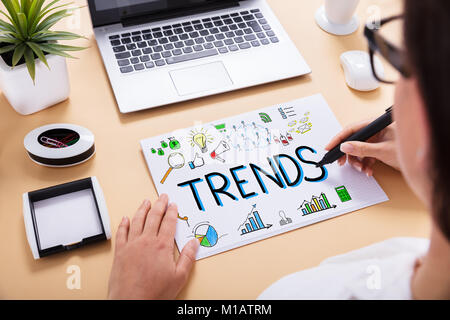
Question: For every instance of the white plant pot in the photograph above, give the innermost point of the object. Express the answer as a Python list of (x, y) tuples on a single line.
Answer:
[(50, 87)]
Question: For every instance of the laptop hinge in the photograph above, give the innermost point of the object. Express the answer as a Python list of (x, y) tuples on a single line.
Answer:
[(164, 15)]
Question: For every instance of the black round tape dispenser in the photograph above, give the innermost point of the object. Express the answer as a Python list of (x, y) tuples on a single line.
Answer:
[(60, 145)]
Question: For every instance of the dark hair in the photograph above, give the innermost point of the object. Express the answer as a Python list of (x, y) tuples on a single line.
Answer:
[(427, 40)]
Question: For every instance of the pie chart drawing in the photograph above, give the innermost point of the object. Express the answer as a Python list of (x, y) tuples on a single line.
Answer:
[(207, 235)]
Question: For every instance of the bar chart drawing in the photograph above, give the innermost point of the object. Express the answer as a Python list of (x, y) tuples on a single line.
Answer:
[(316, 204), (253, 223)]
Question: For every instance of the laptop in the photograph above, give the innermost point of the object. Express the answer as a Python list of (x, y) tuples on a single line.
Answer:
[(158, 52)]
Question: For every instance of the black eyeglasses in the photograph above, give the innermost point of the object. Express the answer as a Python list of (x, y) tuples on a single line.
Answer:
[(382, 49)]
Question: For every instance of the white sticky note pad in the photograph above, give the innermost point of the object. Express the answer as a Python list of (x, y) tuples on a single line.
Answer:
[(67, 219), (231, 155)]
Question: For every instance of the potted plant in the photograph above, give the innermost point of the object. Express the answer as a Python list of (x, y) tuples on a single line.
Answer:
[(33, 70)]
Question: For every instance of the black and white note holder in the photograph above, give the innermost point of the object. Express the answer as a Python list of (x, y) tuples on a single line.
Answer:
[(65, 217)]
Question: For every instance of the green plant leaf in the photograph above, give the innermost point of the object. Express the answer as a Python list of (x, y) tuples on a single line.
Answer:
[(64, 47), (7, 26), (45, 12), (25, 6), (7, 48), (36, 49), (12, 13), (49, 5), (23, 24), (50, 49), (15, 5), (13, 23), (29, 60), (49, 21), (10, 33), (10, 40), (18, 53), (13, 31), (34, 11), (46, 35), (39, 16)]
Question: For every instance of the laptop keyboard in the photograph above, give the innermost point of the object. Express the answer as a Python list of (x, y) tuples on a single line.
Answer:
[(190, 40)]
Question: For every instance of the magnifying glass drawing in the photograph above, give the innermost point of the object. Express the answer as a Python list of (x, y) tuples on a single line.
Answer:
[(176, 161)]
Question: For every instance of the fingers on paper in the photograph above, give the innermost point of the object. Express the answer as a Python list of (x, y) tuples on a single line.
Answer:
[(368, 164), (187, 259), (138, 222), (342, 160), (169, 224), (355, 163), (362, 164), (156, 214)]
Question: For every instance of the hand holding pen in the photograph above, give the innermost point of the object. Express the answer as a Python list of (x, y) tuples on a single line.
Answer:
[(363, 155)]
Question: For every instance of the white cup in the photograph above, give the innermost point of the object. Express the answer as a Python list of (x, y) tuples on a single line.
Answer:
[(340, 11)]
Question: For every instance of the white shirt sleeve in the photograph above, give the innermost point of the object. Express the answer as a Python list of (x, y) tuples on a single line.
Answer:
[(379, 271)]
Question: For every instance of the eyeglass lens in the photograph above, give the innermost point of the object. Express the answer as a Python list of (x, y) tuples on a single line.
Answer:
[(391, 32)]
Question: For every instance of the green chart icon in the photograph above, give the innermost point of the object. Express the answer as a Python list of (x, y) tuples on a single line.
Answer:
[(343, 194)]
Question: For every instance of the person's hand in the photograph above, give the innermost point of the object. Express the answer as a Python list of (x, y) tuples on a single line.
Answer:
[(144, 264), (363, 155)]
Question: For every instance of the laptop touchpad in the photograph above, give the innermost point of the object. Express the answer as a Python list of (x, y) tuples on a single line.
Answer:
[(201, 78)]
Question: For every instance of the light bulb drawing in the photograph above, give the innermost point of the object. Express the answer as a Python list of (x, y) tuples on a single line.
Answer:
[(200, 138)]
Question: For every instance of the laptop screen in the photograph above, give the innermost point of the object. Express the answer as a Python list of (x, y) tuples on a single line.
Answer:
[(101, 5), (104, 12)]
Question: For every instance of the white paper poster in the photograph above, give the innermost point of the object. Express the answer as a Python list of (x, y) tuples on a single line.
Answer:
[(249, 177)]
